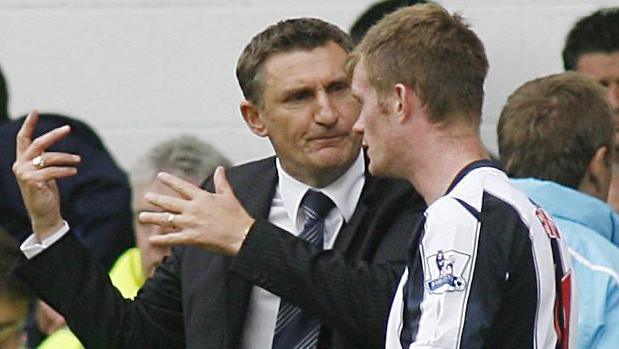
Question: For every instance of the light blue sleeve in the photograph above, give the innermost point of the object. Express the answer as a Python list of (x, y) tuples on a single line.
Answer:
[(614, 238), (608, 336)]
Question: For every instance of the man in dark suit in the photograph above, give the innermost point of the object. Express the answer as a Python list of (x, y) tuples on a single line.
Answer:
[(297, 95)]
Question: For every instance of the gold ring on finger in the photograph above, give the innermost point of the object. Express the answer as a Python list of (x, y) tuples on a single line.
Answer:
[(38, 162), (170, 219)]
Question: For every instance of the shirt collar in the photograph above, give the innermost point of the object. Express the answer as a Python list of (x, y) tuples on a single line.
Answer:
[(470, 167), (344, 191)]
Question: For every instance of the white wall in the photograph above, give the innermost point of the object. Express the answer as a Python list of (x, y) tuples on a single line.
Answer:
[(140, 71)]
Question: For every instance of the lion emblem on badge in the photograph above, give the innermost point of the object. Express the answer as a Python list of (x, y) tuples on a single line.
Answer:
[(445, 270)]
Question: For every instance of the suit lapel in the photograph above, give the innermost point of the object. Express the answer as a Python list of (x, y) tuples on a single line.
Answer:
[(254, 188)]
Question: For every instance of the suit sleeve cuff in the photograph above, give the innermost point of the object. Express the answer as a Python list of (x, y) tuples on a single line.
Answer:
[(31, 247)]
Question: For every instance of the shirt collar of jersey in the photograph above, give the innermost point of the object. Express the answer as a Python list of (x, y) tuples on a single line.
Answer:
[(470, 167), (344, 192)]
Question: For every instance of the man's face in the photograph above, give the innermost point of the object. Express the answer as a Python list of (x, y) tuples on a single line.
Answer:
[(604, 68), (151, 254), (373, 123), (12, 320), (308, 111)]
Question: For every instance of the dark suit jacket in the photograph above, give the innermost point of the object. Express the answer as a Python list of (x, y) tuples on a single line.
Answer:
[(198, 299), (97, 201)]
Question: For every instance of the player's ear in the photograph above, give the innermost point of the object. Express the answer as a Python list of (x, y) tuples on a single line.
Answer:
[(406, 101), (596, 181)]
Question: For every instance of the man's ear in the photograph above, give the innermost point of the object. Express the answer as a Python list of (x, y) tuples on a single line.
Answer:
[(598, 176), (253, 118), (405, 101)]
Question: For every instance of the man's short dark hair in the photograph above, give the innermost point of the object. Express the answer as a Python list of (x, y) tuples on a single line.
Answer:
[(374, 14), (4, 98), (284, 36), (552, 127), (598, 32)]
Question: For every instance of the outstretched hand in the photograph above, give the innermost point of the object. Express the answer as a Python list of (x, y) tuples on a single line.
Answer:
[(36, 172), (213, 221)]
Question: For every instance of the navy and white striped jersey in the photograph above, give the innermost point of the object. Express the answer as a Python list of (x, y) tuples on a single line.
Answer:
[(489, 271)]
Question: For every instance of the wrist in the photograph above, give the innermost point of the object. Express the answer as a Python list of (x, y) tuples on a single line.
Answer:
[(236, 245), (43, 229)]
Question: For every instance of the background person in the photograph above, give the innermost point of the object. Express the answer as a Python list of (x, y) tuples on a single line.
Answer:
[(592, 49), (374, 13), (556, 137)]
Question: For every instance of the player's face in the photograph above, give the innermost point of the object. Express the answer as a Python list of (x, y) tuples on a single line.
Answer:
[(604, 68), (307, 113), (373, 124)]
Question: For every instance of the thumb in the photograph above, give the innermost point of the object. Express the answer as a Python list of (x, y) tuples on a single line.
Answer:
[(222, 185)]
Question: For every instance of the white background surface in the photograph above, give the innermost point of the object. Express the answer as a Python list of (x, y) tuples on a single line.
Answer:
[(140, 71)]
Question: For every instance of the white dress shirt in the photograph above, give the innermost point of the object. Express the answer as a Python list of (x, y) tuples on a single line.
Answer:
[(285, 213)]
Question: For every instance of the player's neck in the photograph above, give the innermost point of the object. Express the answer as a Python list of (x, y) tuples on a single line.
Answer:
[(435, 172)]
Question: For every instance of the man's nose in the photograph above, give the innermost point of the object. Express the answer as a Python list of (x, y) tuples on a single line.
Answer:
[(326, 113), (359, 125)]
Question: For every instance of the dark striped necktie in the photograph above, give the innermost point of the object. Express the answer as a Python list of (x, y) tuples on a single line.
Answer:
[(295, 329)]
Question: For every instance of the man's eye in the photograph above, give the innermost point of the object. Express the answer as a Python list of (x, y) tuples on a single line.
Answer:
[(299, 96), (338, 86)]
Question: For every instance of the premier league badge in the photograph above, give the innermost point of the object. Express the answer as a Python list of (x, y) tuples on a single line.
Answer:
[(446, 271)]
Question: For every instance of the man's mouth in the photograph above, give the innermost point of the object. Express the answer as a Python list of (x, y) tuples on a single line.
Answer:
[(328, 139)]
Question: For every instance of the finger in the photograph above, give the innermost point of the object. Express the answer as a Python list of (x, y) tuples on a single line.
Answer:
[(40, 177), (183, 188), (55, 172), (50, 173), (161, 219), (60, 159), (40, 144), (24, 135), (221, 181), (171, 239), (165, 202), (26, 173)]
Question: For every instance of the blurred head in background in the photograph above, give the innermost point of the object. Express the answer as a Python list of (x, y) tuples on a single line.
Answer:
[(184, 156)]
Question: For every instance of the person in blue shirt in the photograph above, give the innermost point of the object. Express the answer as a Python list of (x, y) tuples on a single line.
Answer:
[(556, 140)]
